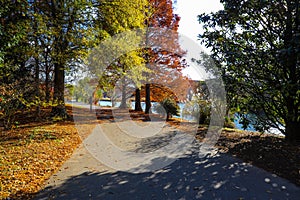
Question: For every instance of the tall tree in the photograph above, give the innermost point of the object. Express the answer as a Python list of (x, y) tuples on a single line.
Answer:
[(38, 25), (164, 63), (117, 17), (15, 50), (42, 42), (256, 45), (69, 26)]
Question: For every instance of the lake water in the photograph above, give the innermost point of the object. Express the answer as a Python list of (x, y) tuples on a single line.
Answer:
[(237, 124), (153, 105), (117, 104)]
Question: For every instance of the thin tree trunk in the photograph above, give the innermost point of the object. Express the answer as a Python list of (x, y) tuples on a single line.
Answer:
[(47, 86), (91, 103), (37, 69), (37, 88), (47, 78), (147, 86), (138, 106), (148, 101)]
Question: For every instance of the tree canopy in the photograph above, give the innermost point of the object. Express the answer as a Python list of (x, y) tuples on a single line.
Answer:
[(44, 43), (255, 43), (166, 59)]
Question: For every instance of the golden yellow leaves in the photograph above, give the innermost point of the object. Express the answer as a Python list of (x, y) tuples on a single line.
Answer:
[(28, 156)]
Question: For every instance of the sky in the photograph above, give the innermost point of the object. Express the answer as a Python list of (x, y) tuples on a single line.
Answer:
[(189, 29), (188, 10)]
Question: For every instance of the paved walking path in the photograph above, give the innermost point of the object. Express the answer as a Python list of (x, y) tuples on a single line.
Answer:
[(190, 176)]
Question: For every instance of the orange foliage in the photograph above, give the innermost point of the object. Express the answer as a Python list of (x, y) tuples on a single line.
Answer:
[(165, 57)]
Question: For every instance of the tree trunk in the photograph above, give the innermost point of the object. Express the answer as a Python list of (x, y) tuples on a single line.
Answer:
[(202, 118), (292, 133), (37, 88), (123, 102), (148, 101), (47, 80), (91, 103), (168, 116), (37, 70), (59, 109), (138, 106), (47, 88)]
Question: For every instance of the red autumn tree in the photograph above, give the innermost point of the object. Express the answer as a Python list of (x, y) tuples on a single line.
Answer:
[(164, 55)]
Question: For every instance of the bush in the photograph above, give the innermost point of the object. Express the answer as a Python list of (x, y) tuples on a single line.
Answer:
[(15, 97), (168, 106), (204, 112), (229, 122), (9, 104)]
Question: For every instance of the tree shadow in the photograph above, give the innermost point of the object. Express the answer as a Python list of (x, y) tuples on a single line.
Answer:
[(190, 177), (260, 151), (151, 144)]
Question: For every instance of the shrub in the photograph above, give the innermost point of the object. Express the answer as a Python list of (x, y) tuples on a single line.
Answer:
[(9, 104), (168, 106)]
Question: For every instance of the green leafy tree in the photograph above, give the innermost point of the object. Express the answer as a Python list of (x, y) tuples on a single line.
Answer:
[(113, 18), (200, 105), (15, 74), (255, 44), (168, 106), (38, 39), (14, 28), (84, 89), (69, 27)]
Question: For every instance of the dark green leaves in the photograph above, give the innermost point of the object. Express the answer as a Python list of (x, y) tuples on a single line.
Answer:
[(255, 44)]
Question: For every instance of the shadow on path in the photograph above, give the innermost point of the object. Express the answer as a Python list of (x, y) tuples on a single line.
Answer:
[(218, 177)]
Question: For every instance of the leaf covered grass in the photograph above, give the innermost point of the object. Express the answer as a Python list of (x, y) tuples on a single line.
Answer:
[(267, 151), (31, 153)]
